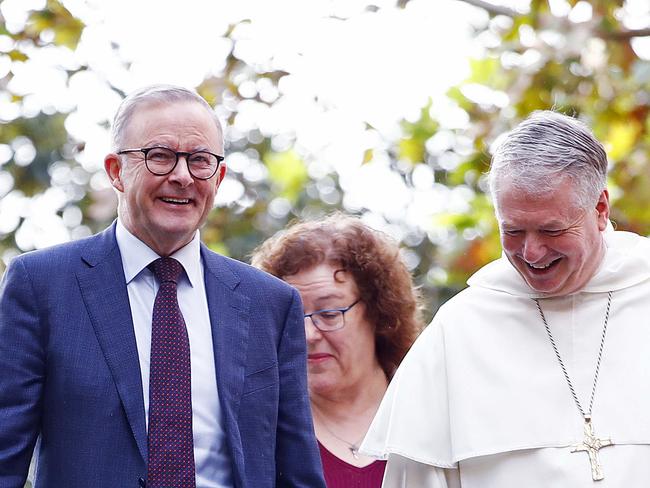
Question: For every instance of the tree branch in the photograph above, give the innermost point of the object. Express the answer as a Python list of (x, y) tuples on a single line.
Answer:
[(624, 34), (617, 35), (491, 8)]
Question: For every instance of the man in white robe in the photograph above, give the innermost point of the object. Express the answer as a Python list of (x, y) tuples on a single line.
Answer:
[(488, 397)]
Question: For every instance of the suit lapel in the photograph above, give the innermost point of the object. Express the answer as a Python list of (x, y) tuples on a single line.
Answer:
[(103, 288), (229, 317)]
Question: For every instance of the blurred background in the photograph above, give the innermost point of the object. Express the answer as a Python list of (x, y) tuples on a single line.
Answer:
[(383, 109)]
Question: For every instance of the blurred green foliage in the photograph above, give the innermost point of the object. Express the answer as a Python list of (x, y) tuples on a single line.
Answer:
[(587, 69), (529, 61)]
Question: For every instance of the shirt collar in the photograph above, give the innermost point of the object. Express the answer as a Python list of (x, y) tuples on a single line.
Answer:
[(136, 255)]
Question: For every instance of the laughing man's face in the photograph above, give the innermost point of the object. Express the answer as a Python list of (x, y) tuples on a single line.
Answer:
[(555, 244), (165, 211)]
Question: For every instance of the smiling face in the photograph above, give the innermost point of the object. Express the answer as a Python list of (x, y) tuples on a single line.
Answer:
[(554, 244), (338, 361), (165, 211)]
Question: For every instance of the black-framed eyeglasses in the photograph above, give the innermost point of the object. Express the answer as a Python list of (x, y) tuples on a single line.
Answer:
[(161, 161), (330, 319)]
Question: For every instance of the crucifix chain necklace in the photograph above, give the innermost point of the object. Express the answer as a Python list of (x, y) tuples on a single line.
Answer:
[(353, 447), (591, 443)]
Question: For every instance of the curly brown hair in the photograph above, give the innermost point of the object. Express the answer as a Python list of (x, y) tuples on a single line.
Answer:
[(373, 259)]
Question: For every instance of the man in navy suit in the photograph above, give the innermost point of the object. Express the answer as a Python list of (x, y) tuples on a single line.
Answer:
[(76, 330)]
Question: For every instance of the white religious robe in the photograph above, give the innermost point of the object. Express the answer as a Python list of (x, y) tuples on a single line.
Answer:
[(480, 401)]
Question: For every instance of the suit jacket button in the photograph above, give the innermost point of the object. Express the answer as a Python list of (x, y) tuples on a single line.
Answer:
[(142, 483)]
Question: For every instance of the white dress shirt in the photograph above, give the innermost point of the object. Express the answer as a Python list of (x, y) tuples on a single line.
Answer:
[(212, 459)]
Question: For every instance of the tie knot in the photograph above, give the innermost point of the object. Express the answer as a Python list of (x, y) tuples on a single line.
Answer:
[(166, 269)]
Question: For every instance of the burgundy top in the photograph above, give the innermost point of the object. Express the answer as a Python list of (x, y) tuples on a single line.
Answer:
[(339, 474)]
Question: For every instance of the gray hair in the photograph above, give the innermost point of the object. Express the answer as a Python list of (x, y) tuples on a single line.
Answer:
[(546, 148), (153, 94)]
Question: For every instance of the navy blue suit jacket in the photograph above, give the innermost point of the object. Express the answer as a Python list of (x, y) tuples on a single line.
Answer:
[(69, 372)]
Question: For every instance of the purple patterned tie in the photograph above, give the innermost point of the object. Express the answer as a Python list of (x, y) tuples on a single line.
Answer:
[(171, 445)]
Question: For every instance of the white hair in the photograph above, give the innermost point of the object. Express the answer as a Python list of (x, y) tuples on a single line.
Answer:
[(153, 94), (548, 148)]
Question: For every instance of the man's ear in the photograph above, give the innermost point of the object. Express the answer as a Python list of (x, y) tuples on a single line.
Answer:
[(113, 168), (221, 174), (602, 210)]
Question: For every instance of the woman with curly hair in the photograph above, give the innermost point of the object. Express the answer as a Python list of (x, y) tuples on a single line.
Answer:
[(361, 317)]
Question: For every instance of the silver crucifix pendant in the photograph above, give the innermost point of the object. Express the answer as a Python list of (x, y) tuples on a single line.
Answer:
[(591, 445)]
